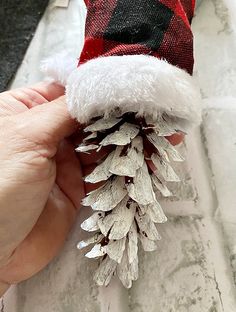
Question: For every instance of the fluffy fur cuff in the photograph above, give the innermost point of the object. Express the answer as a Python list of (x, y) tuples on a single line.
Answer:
[(132, 83)]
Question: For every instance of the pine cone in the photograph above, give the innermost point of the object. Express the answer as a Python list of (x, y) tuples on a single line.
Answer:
[(126, 206)]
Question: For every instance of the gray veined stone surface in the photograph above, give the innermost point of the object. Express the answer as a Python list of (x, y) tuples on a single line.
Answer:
[(178, 276), (215, 46), (220, 134), (193, 268)]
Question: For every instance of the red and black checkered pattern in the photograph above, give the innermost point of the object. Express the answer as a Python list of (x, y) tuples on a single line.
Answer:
[(155, 27)]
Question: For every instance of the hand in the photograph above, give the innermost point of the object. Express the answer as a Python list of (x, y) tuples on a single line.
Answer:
[(41, 183)]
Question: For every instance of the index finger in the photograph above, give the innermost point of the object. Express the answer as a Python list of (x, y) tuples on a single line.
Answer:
[(20, 100), (37, 94)]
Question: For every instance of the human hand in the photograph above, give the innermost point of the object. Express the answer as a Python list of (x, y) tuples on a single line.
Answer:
[(41, 183)]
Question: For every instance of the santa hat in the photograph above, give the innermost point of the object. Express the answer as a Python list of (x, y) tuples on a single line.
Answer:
[(137, 57)]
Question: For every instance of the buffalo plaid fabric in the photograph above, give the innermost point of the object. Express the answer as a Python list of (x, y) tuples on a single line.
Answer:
[(160, 28)]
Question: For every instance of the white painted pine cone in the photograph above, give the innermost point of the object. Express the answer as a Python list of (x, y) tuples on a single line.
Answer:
[(126, 207)]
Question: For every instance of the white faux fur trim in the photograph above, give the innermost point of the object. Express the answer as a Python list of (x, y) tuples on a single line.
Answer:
[(132, 83), (58, 67)]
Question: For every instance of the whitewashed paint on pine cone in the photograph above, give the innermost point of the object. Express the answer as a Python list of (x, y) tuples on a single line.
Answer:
[(126, 206)]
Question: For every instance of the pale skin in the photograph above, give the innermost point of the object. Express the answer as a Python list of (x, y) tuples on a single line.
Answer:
[(41, 180)]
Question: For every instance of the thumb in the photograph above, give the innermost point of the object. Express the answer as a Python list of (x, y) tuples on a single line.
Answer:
[(47, 123)]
